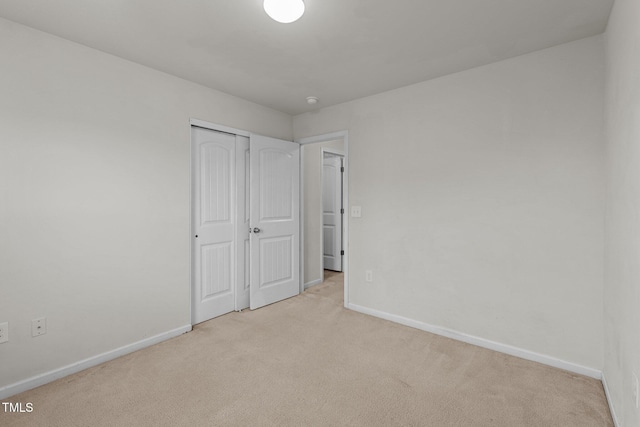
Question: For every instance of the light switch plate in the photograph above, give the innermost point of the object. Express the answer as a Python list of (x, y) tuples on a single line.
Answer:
[(356, 211), (4, 332), (368, 276)]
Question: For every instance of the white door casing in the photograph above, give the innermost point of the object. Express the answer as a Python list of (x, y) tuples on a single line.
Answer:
[(332, 212), (344, 136), (275, 220), (214, 223)]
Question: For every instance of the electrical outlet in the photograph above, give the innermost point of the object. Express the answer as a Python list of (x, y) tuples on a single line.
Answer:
[(368, 276), (4, 332), (38, 327), (636, 390)]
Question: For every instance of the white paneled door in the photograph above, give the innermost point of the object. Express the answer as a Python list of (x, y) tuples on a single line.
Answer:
[(274, 219), (332, 212), (245, 222), (214, 223)]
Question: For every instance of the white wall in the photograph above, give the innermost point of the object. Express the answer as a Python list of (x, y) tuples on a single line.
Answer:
[(482, 200), (94, 197), (312, 199), (481, 191), (622, 266)]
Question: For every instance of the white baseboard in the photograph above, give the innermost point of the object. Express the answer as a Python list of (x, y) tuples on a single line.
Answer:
[(481, 342), (47, 377), (609, 401), (312, 283)]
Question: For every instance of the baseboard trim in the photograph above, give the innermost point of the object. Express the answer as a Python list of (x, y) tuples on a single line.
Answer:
[(47, 377), (481, 342), (312, 283), (609, 401)]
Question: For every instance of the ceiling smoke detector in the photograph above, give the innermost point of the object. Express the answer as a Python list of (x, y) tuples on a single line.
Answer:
[(312, 100)]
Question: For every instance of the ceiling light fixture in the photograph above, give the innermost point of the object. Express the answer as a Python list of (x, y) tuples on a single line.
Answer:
[(312, 100), (284, 11)]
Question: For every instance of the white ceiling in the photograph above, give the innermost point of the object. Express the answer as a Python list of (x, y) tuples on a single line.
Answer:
[(338, 51)]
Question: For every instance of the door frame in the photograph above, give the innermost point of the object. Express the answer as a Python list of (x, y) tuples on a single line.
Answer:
[(344, 136), (336, 153)]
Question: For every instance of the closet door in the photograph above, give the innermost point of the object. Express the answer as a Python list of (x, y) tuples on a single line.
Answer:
[(214, 223), (274, 220)]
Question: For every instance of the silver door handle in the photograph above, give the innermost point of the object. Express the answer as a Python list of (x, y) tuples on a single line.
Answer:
[(256, 230)]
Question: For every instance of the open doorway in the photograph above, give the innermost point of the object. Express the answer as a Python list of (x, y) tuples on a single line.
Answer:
[(322, 238)]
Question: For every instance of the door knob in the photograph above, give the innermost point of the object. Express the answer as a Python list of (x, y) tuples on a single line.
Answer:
[(256, 230)]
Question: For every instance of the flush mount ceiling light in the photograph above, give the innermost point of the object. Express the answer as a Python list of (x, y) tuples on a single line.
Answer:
[(312, 100), (284, 11)]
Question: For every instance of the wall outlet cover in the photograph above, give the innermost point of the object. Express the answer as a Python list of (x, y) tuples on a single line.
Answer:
[(38, 327)]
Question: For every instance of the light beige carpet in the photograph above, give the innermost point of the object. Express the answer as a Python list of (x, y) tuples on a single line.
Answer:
[(307, 361)]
